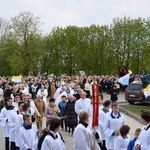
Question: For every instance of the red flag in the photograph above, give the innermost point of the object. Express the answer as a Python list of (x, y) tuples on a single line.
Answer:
[(95, 99)]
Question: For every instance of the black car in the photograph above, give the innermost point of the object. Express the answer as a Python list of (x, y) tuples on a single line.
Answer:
[(134, 92)]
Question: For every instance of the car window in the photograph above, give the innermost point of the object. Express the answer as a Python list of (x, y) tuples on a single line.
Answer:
[(134, 87)]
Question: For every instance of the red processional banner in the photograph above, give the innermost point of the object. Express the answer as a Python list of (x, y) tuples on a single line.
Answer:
[(95, 99)]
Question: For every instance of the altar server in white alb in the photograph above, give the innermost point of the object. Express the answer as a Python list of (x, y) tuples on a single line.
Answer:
[(43, 91), (82, 104), (53, 140), (123, 139), (59, 90), (143, 141), (28, 135), (5, 117), (16, 123), (111, 128), (83, 135)]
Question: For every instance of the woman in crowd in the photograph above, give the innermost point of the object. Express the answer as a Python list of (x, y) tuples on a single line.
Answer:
[(51, 110), (71, 116)]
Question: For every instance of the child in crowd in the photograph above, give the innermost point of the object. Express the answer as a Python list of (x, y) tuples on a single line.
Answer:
[(52, 110), (61, 107), (132, 142), (107, 106), (111, 129), (39, 133), (27, 134), (123, 139)]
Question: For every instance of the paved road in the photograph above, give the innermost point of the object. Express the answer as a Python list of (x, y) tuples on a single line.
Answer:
[(121, 97), (131, 122), (69, 139)]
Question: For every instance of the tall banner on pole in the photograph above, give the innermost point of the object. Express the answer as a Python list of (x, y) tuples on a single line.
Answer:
[(95, 96)]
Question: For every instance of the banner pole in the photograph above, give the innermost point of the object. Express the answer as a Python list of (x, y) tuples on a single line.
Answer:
[(94, 138)]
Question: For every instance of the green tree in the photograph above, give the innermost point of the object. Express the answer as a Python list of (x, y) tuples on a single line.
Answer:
[(27, 54), (4, 31)]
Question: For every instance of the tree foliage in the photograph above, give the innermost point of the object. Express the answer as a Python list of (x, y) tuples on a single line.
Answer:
[(94, 49), (24, 43)]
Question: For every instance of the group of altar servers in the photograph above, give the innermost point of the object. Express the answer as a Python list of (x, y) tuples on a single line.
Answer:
[(112, 132)]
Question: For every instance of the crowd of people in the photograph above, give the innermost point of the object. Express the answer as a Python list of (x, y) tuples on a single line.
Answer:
[(66, 103)]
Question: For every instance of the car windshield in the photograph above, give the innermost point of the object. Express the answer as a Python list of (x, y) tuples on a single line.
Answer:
[(134, 87)]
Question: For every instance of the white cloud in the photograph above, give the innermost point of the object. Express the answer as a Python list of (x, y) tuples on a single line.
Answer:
[(76, 12)]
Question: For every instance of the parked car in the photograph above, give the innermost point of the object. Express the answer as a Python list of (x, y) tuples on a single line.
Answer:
[(134, 92)]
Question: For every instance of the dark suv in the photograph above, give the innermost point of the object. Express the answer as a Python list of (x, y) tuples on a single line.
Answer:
[(134, 92)]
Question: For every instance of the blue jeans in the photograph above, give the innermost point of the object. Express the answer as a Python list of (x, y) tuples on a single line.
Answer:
[(114, 101), (33, 95)]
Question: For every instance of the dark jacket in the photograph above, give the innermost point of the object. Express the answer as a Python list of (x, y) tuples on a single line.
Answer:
[(113, 94), (71, 116), (131, 144)]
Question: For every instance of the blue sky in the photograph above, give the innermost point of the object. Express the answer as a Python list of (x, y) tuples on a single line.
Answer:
[(75, 12)]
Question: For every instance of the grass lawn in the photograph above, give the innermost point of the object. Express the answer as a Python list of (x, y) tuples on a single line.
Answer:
[(135, 109)]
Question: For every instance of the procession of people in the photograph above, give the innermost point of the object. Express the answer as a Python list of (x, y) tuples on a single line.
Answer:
[(67, 104)]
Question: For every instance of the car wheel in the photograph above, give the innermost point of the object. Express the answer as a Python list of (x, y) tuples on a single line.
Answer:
[(130, 102)]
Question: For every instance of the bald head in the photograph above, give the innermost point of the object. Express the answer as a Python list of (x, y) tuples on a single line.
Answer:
[(83, 95)]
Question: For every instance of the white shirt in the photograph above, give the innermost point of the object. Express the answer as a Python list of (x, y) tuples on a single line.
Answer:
[(122, 143), (83, 138), (81, 105), (144, 138), (28, 138), (111, 125), (4, 115), (50, 143), (44, 94)]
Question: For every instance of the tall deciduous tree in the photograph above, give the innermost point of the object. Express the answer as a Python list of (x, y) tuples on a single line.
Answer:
[(26, 30)]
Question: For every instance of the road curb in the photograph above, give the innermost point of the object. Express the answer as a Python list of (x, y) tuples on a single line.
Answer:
[(130, 114)]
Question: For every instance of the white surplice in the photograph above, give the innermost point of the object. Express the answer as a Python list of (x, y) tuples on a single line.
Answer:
[(50, 143), (144, 139), (84, 138), (121, 143), (112, 125), (27, 138)]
